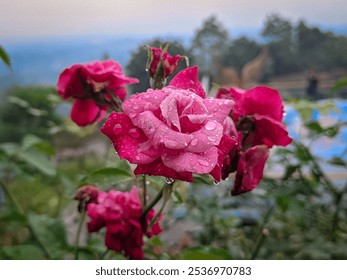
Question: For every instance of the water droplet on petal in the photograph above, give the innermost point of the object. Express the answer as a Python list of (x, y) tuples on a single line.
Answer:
[(169, 181), (210, 138), (137, 158), (171, 144), (203, 162), (134, 133), (215, 182), (194, 142), (132, 115), (135, 106), (210, 125), (117, 129)]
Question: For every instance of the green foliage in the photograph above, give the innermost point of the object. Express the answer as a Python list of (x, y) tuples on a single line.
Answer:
[(5, 57), (27, 110)]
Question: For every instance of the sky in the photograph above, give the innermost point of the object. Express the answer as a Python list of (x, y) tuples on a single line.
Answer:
[(42, 18)]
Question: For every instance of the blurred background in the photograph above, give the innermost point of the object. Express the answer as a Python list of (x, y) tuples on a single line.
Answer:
[(298, 47)]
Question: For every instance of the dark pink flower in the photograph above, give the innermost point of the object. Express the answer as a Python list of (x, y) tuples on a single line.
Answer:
[(161, 63), (172, 132), (258, 114), (120, 213), (95, 87)]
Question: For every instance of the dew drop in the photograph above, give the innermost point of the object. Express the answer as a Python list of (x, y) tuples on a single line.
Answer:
[(210, 125), (135, 106), (134, 133), (117, 129), (215, 182), (203, 162), (132, 115), (137, 158), (210, 138), (194, 142), (171, 144), (169, 181)]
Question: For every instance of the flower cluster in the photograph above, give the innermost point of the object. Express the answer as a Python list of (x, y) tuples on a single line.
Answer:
[(94, 87), (173, 131), (120, 213)]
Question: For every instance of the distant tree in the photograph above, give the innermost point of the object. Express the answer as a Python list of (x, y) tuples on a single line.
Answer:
[(137, 65), (312, 43), (280, 36), (239, 52), (27, 110), (209, 43)]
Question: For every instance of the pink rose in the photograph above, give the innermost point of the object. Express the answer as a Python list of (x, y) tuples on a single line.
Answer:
[(95, 87), (120, 213), (173, 132)]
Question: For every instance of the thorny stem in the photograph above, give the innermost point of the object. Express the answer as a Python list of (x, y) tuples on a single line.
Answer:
[(167, 195), (166, 192), (144, 190), (78, 233), (261, 236), (20, 210), (103, 254)]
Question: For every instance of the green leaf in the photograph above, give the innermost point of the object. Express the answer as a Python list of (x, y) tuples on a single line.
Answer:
[(338, 161), (290, 169), (19, 101), (23, 252), (31, 140), (315, 127), (51, 233), (340, 84), (206, 253), (177, 197), (10, 149), (38, 160), (5, 57), (107, 177), (202, 179)]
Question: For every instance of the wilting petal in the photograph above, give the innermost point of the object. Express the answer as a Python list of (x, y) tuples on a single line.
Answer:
[(270, 132), (250, 169), (226, 146)]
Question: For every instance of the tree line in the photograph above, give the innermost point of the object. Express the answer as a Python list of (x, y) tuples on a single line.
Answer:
[(293, 47)]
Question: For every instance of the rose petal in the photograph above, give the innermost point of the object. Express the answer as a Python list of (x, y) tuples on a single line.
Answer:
[(157, 168), (160, 135), (85, 111), (119, 128), (227, 145), (188, 79), (250, 169), (200, 163), (69, 84), (270, 132)]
